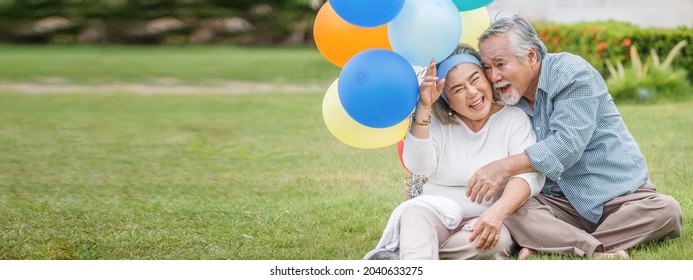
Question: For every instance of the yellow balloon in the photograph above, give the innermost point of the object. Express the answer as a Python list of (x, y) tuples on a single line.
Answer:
[(474, 23), (351, 132)]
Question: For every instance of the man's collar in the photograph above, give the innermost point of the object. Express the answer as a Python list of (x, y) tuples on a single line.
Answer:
[(544, 73)]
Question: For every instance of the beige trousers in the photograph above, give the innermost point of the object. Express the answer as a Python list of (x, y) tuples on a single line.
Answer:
[(423, 236), (551, 225)]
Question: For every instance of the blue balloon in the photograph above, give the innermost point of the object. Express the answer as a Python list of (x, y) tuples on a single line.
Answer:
[(378, 88), (425, 29), (367, 13), (468, 5)]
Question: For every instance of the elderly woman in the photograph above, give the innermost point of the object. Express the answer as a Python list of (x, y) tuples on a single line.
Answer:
[(449, 139)]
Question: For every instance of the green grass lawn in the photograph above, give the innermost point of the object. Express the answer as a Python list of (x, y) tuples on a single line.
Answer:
[(191, 64), (125, 176)]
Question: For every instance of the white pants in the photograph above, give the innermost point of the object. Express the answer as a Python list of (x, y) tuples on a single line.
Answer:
[(423, 236)]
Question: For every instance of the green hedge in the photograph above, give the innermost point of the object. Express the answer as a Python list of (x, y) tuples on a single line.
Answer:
[(272, 21), (130, 9), (601, 41)]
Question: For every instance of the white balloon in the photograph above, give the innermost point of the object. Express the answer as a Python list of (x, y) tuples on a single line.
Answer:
[(425, 29)]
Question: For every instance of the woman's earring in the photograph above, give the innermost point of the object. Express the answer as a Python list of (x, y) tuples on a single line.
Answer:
[(450, 112)]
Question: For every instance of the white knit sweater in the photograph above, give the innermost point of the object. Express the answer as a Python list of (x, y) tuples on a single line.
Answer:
[(453, 153)]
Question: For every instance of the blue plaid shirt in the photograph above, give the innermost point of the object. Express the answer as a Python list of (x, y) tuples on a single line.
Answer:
[(583, 145)]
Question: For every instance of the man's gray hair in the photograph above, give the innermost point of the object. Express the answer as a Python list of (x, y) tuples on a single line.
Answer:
[(521, 36)]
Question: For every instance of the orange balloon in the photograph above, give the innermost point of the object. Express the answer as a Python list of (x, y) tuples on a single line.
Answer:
[(337, 40)]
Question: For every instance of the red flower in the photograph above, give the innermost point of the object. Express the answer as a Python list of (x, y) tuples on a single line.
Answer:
[(601, 46), (626, 42), (555, 42)]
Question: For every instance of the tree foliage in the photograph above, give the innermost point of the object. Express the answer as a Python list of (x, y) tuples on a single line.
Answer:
[(268, 21)]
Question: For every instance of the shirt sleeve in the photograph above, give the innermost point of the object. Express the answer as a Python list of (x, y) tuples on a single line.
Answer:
[(571, 123), (522, 137), (420, 155)]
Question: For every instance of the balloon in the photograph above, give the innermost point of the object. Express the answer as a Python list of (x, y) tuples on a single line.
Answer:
[(425, 29), (467, 5), (352, 133), (475, 22), (400, 150), (338, 40), (367, 13), (378, 88)]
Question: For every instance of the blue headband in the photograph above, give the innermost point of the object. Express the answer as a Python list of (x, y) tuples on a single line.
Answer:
[(453, 61)]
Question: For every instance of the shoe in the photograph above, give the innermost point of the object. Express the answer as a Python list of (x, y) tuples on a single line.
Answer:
[(618, 255), (381, 254), (526, 253)]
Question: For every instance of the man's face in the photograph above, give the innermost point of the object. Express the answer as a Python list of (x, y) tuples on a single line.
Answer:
[(510, 76)]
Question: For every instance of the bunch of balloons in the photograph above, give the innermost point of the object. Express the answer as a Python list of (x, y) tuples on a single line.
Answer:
[(379, 45)]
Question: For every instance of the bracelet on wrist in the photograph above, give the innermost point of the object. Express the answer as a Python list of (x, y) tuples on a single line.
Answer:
[(421, 122)]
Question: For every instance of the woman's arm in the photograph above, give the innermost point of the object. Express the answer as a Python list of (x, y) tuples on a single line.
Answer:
[(488, 226), (429, 92), (419, 154), (519, 188)]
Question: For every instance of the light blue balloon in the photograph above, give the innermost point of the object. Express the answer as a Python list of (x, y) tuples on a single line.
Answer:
[(378, 88), (425, 29), (367, 13), (468, 5)]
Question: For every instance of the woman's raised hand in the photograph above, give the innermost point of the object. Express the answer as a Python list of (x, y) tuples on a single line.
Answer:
[(430, 88)]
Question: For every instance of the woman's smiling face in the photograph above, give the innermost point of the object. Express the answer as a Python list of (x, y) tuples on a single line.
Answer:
[(468, 92)]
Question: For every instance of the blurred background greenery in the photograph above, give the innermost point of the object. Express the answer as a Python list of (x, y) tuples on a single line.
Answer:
[(242, 22), (282, 23)]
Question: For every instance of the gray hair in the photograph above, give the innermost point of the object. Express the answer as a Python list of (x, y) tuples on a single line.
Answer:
[(522, 36)]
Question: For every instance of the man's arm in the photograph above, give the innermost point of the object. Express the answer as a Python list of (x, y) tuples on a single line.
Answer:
[(571, 124), (493, 174)]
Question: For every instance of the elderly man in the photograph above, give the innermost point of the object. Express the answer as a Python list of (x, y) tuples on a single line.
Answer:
[(597, 200)]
